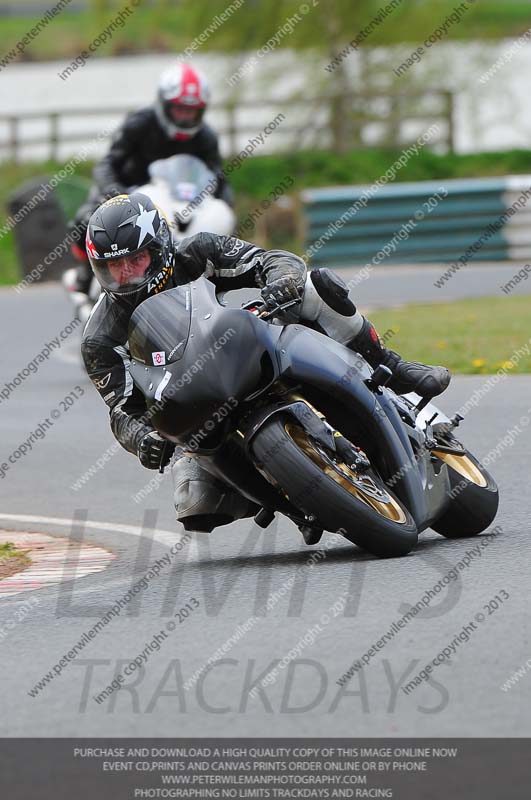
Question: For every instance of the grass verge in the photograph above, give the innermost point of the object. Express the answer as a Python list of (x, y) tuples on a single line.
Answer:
[(469, 337), (12, 560)]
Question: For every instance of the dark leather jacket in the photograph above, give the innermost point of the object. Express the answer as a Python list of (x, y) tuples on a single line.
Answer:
[(140, 141)]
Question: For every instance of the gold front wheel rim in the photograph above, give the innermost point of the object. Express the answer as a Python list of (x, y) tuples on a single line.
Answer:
[(388, 508), (464, 466)]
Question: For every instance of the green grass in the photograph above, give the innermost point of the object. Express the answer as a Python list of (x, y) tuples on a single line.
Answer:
[(470, 336), (8, 551), (9, 271), (162, 28), (70, 33), (12, 560), (308, 168)]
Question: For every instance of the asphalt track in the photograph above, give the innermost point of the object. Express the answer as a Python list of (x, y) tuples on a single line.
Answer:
[(234, 571)]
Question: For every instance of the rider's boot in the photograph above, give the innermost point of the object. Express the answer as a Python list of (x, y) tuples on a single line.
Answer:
[(328, 307), (408, 376)]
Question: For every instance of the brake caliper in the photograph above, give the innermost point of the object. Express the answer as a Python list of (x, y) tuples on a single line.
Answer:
[(351, 455)]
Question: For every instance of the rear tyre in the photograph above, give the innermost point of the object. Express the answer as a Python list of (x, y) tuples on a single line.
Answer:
[(474, 497), (357, 505)]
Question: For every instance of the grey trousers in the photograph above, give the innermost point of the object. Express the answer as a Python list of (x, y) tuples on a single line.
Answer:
[(198, 492)]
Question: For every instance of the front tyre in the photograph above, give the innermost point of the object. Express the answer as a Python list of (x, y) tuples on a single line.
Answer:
[(357, 505), (473, 497)]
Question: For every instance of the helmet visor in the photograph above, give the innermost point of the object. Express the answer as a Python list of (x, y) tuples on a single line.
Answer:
[(185, 117), (125, 274)]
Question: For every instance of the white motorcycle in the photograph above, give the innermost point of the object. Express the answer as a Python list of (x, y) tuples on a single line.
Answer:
[(183, 188)]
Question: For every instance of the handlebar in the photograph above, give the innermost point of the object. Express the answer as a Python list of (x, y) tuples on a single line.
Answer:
[(260, 309)]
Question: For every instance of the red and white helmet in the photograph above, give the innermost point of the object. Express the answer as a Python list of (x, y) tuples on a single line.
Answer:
[(182, 99)]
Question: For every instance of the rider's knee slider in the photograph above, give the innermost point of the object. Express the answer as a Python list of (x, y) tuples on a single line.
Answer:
[(333, 291)]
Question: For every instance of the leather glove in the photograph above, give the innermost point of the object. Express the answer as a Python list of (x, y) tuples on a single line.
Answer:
[(155, 452), (280, 291)]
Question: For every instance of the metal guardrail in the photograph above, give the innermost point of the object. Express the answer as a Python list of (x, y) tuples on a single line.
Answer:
[(442, 234), (359, 115)]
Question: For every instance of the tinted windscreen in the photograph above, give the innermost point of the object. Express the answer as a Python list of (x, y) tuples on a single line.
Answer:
[(185, 176), (159, 328)]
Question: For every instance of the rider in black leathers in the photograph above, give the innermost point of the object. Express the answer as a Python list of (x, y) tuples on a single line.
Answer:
[(132, 254)]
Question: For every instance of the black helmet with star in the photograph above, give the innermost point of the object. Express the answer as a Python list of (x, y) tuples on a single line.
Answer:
[(129, 247)]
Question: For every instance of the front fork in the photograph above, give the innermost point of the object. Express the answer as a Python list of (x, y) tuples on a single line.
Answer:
[(315, 425)]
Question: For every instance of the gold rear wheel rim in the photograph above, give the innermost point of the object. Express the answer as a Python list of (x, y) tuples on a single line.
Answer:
[(386, 507), (464, 466)]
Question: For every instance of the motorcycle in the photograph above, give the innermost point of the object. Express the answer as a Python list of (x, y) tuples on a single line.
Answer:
[(183, 188), (308, 429)]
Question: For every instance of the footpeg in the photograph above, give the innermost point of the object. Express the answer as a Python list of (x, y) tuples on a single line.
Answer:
[(446, 442), (455, 421), (264, 518), (380, 377), (310, 534)]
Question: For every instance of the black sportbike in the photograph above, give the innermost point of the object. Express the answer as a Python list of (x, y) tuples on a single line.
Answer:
[(301, 425)]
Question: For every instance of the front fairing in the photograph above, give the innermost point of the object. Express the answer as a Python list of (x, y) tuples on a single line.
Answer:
[(159, 329), (227, 355)]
